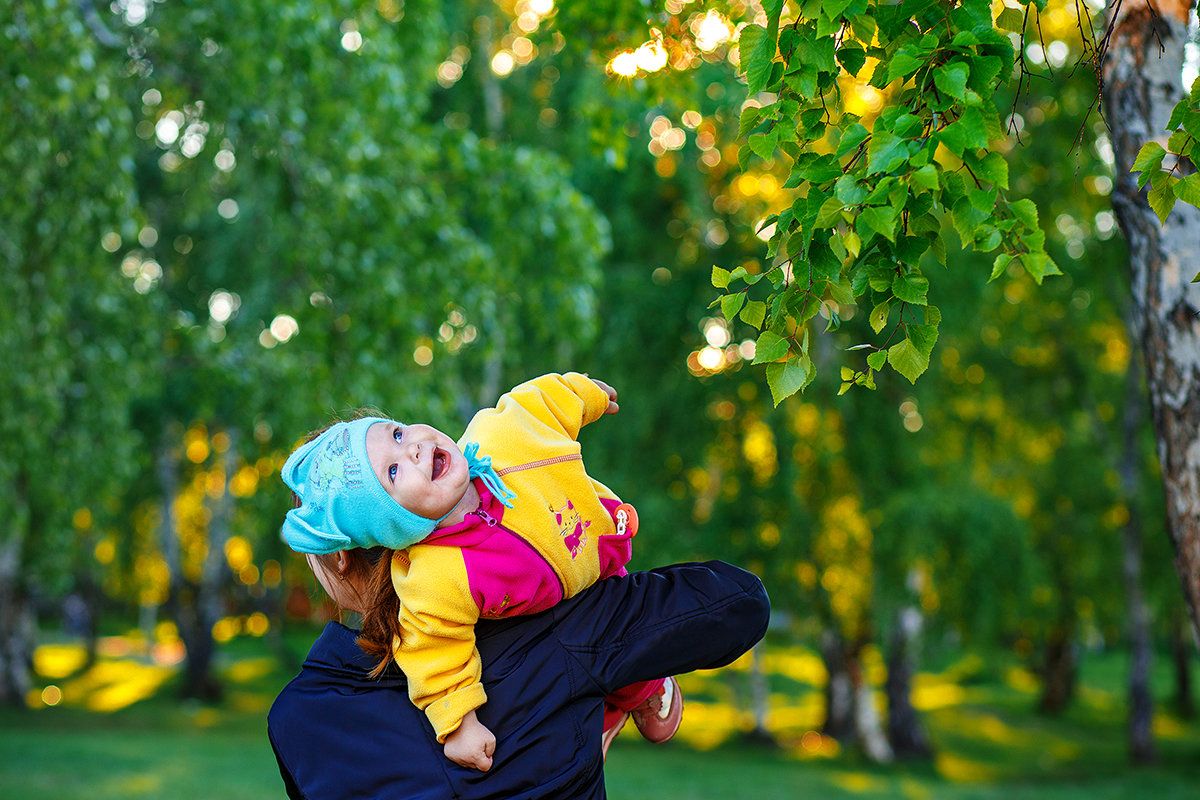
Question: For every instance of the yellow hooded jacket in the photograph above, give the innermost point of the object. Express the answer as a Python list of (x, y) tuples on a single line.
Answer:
[(559, 538)]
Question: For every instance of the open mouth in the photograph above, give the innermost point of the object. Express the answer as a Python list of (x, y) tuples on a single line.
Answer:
[(441, 462)]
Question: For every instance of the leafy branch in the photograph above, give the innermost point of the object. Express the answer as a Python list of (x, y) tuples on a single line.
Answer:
[(871, 194)]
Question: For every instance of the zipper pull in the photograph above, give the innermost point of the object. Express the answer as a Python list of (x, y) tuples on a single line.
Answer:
[(487, 518)]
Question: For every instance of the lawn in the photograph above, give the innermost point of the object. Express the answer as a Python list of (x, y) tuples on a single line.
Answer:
[(144, 744)]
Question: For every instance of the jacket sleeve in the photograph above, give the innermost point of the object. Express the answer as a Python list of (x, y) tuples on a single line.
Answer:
[(437, 649), (667, 621), (564, 403)]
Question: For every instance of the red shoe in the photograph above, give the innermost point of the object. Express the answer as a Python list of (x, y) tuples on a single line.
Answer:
[(658, 717), (610, 733)]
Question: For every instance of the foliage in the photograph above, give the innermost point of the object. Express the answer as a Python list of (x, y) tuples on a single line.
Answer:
[(871, 197), (1170, 184), (70, 325)]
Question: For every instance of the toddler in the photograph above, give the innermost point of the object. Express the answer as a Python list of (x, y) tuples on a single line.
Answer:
[(510, 531)]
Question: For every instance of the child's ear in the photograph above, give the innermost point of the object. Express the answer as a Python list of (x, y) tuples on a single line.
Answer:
[(342, 560)]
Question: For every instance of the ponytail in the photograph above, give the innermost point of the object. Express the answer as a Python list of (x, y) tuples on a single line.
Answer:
[(381, 619)]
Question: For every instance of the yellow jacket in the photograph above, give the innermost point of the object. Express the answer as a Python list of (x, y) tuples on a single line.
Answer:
[(559, 538)]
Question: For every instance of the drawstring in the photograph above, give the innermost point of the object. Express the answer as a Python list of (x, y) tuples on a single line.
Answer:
[(481, 467)]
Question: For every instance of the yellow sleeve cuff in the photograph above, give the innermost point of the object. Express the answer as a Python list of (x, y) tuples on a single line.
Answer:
[(446, 714)]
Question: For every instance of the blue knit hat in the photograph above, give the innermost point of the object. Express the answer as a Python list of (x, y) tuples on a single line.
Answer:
[(342, 503)]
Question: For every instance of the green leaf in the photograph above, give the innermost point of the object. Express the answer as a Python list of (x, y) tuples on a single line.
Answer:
[(853, 136), (1025, 212), (825, 262), (753, 313), (881, 219), (849, 191), (994, 169), (906, 359), (879, 315), (966, 133), (925, 178), (1149, 159), (1010, 19), (830, 213), (731, 304), (769, 347), (877, 359), (1191, 123), (885, 151), (952, 78), (720, 277), (851, 56), (749, 119), (999, 265), (923, 337), (785, 379), (763, 144), (1039, 265), (911, 288), (757, 45), (1188, 189), (1162, 194), (903, 63)]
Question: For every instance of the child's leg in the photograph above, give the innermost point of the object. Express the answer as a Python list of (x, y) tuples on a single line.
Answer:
[(630, 697), (656, 707)]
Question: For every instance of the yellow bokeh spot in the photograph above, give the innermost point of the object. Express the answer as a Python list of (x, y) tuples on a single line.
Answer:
[(257, 624), (225, 629), (237, 552), (51, 695), (220, 442), (768, 534), (956, 768), (166, 632), (106, 550), (196, 450), (56, 661), (245, 482), (248, 575), (82, 519), (272, 574)]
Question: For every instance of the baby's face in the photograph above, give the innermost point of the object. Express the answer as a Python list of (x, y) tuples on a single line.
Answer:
[(419, 466)]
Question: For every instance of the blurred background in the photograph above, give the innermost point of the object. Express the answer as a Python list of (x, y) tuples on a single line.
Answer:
[(224, 223)]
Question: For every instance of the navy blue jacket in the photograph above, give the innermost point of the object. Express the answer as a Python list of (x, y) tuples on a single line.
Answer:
[(338, 734)]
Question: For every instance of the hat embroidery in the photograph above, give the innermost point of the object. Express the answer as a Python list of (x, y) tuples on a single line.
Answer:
[(335, 466)]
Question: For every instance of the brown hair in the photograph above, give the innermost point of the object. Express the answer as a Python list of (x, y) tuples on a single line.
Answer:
[(381, 618), (372, 568)]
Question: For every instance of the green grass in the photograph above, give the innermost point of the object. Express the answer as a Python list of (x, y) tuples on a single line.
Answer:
[(990, 743)]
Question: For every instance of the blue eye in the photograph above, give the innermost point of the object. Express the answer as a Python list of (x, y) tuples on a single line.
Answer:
[(392, 472), (398, 434)]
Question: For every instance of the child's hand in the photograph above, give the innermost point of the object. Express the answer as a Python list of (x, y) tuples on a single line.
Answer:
[(612, 396), (471, 745)]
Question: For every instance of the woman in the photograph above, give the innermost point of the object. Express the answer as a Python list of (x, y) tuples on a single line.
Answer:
[(337, 733)]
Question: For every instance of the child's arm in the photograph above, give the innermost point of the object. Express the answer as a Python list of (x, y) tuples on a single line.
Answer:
[(437, 647), (564, 403), (472, 744)]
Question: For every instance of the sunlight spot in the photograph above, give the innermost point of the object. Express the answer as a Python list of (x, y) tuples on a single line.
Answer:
[(959, 769), (58, 660), (284, 327), (51, 695), (503, 63), (858, 782)]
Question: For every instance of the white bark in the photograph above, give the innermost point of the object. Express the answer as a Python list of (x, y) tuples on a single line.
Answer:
[(1143, 82)]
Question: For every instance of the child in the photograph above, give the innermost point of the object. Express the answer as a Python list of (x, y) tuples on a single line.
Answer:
[(475, 540)]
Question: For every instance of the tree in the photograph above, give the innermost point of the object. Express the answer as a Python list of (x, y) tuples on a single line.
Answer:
[(1143, 89), (69, 321)]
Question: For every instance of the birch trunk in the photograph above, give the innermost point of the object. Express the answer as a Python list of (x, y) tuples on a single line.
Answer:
[(1142, 83), (16, 628), (904, 728), (1141, 653)]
